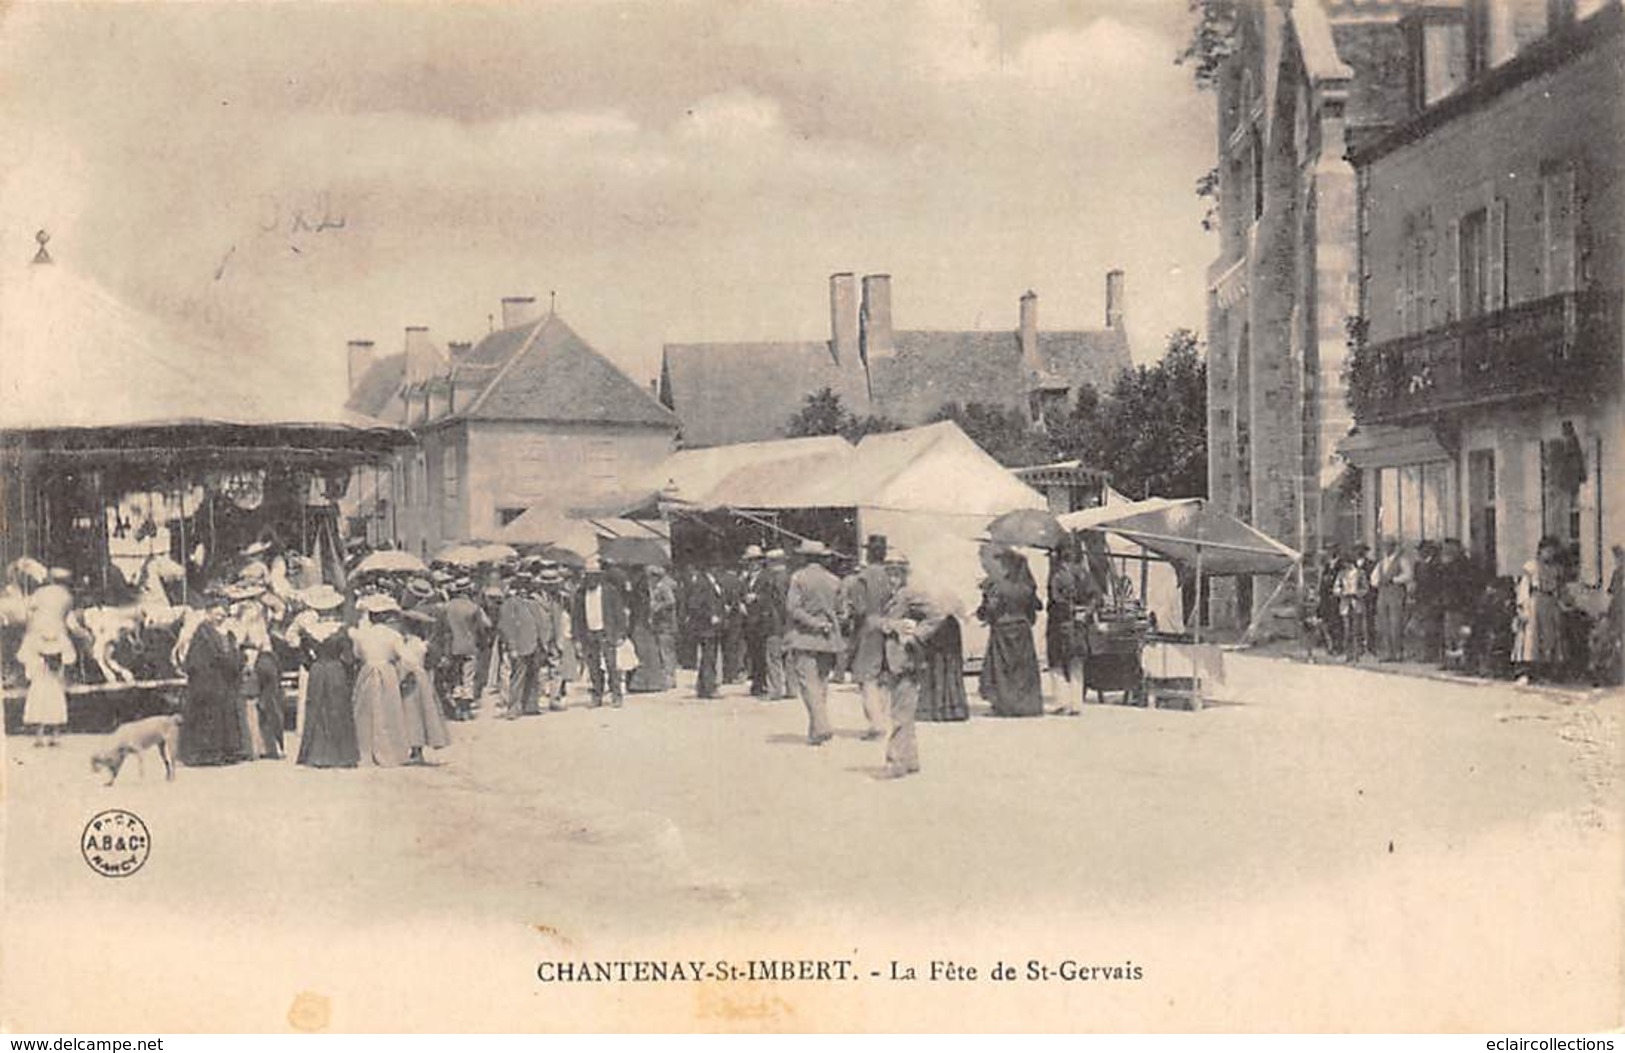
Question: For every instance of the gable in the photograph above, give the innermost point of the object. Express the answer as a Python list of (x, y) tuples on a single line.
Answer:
[(552, 374)]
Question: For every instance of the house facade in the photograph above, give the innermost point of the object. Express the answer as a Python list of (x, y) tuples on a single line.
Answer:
[(1487, 381), (1303, 83), (748, 392), (529, 416)]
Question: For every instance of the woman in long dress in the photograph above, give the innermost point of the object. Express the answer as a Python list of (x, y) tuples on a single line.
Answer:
[(211, 727), (1537, 644), (942, 674), (45, 653), (1010, 606), (380, 718), (1065, 642), (650, 674), (424, 723), (328, 738)]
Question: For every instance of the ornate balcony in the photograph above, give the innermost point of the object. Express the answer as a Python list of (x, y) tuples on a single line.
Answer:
[(1565, 343)]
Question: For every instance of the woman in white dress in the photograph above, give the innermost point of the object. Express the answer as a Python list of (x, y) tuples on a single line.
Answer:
[(380, 719), (425, 726), (45, 653), (1537, 641)]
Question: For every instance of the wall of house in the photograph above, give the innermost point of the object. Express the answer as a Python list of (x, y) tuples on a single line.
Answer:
[(518, 465), (1504, 156), (1493, 158)]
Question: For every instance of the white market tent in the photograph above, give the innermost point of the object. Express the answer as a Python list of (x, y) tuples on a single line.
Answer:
[(931, 491), (1192, 532)]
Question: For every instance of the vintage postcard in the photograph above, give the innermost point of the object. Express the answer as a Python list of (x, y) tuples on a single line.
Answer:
[(751, 515)]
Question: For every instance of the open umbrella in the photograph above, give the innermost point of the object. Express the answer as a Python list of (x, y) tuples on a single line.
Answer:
[(559, 554), (391, 561), (1032, 527), (634, 551), (462, 555), (497, 553)]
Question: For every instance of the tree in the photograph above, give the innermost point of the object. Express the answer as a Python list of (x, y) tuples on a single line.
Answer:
[(1213, 39), (1006, 434), (1150, 432), (823, 414)]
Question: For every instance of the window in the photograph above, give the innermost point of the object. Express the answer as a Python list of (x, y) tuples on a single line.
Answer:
[(508, 515), (1558, 227), (1481, 504), (1415, 502), (1475, 287), (450, 475)]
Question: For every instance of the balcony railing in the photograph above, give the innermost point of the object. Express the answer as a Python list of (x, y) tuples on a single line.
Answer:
[(1569, 342)]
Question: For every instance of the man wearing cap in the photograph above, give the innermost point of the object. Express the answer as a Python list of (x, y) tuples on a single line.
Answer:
[(463, 625), (521, 640), (813, 608), (868, 596), (599, 620)]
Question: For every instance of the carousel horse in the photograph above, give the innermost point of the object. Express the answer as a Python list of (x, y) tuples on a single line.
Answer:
[(108, 624)]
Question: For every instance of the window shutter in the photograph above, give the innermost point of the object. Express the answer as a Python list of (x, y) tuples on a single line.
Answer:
[(1558, 207), (1496, 269), (1433, 312), (1452, 249)]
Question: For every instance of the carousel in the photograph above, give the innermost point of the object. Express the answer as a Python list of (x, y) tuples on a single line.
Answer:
[(140, 469)]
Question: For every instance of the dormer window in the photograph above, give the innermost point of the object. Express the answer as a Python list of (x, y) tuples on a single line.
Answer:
[(1438, 43)]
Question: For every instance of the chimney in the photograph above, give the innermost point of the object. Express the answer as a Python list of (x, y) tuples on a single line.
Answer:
[(360, 359), (456, 350), (1029, 333), (422, 361), (874, 321), (519, 310), (1114, 299), (843, 318)]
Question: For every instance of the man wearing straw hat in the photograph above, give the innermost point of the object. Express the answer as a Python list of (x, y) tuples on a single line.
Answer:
[(813, 609)]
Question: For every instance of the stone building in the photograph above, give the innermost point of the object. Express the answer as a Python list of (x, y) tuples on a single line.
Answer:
[(530, 416), (1487, 387), (1304, 82), (748, 392)]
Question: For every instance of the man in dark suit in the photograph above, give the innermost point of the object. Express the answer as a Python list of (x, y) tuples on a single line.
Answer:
[(599, 622), (705, 616), (521, 638), (732, 582), (754, 602)]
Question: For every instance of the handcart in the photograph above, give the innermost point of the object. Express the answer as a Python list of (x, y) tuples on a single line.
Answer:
[(1116, 639)]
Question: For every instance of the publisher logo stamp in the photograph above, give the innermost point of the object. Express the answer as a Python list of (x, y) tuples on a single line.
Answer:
[(115, 843)]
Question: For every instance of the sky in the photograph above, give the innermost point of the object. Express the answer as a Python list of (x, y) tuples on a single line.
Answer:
[(279, 179)]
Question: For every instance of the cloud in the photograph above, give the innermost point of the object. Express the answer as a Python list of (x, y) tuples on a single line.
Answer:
[(677, 171)]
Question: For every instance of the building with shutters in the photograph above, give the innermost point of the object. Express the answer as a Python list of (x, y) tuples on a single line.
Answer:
[(1487, 373), (531, 416)]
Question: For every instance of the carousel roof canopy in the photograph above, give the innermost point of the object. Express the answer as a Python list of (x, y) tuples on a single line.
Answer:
[(73, 356)]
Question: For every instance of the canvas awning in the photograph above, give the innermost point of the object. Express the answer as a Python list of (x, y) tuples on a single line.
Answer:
[(1179, 529), (1390, 445)]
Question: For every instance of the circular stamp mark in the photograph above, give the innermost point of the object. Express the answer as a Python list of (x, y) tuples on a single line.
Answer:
[(115, 843)]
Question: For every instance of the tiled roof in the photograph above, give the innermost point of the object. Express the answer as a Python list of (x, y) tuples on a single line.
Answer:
[(730, 393), (727, 393), (375, 394), (552, 374), (542, 371)]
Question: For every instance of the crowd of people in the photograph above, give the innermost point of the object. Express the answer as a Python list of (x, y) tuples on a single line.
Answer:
[(1436, 604)]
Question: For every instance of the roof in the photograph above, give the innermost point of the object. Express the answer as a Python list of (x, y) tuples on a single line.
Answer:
[(74, 356), (747, 392), (899, 470), (1180, 529), (540, 371), (697, 476), (375, 393), (729, 393)]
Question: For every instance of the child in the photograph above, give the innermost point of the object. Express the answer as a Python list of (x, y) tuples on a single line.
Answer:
[(1353, 586)]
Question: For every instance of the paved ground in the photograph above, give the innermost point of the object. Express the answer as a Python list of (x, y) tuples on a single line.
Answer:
[(1325, 849)]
